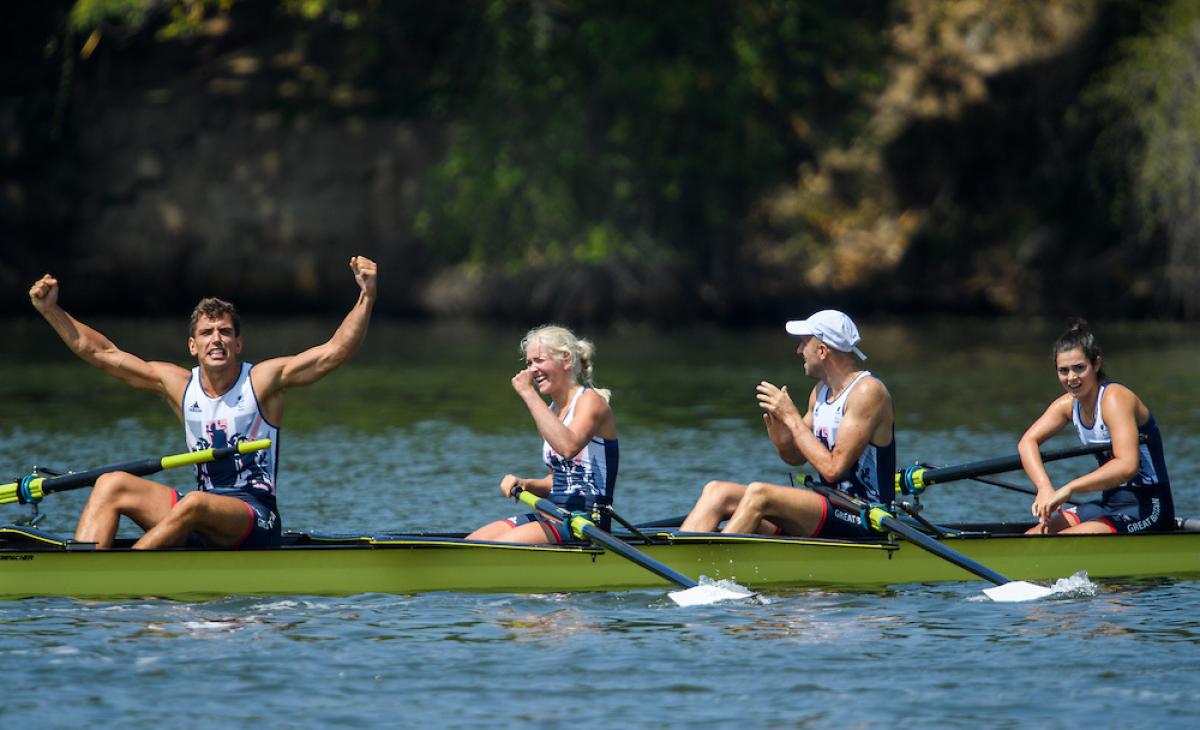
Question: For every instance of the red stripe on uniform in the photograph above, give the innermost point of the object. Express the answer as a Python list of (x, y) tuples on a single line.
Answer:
[(824, 514), (557, 529), (249, 527)]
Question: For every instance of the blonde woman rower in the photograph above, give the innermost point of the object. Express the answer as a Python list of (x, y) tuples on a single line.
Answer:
[(579, 435)]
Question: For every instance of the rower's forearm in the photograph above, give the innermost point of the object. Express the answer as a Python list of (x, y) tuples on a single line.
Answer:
[(81, 339), (1111, 474), (829, 472), (821, 458), (792, 457), (352, 331), (540, 487), (789, 453), (1039, 478), (1031, 462), (564, 442)]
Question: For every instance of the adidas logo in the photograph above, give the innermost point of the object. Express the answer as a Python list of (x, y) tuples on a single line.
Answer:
[(194, 407)]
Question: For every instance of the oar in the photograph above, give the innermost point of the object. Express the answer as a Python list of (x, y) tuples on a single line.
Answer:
[(581, 527), (914, 479), (32, 488), (1015, 487), (1006, 590)]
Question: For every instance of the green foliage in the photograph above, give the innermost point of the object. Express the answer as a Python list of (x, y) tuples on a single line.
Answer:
[(599, 128), (1148, 151), (183, 18), (87, 15), (583, 131)]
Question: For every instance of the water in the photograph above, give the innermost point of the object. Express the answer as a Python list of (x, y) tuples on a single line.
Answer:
[(415, 435)]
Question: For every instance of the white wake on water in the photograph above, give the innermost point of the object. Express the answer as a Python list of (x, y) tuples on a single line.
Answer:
[(1077, 586)]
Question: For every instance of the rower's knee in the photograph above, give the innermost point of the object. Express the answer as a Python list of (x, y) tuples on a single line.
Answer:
[(195, 502), (191, 509), (757, 494), (113, 488), (721, 494)]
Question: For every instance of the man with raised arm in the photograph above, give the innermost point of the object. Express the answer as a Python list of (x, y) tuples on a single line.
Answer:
[(221, 402), (847, 434)]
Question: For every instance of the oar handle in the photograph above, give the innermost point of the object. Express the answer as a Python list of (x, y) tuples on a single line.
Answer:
[(206, 455), (33, 488), (914, 479), (529, 499)]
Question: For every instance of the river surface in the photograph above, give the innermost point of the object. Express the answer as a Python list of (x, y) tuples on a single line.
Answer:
[(414, 435)]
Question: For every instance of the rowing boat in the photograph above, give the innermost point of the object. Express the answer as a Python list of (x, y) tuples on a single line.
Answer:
[(34, 563)]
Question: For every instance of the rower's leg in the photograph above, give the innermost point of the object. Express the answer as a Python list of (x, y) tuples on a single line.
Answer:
[(530, 533), (1058, 522), (795, 511), (118, 493), (1091, 527), (717, 502), (491, 531), (222, 521)]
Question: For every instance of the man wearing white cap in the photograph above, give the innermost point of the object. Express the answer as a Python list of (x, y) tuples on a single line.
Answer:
[(847, 435)]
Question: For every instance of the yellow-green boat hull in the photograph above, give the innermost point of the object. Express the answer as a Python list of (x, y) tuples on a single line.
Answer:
[(419, 563)]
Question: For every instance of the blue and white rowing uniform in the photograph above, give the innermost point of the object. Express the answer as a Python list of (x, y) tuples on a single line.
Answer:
[(578, 483), (1143, 503), (871, 478), (227, 420)]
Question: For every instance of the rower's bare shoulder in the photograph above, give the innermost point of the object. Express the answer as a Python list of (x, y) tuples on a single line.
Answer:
[(873, 390), (1120, 399), (872, 402), (1063, 405), (592, 407), (266, 375), (592, 402), (171, 377), (1120, 394)]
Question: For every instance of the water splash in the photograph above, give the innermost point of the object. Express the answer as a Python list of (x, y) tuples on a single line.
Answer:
[(710, 591), (1075, 586)]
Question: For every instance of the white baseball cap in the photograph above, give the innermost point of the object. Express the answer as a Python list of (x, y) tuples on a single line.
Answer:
[(832, 327)]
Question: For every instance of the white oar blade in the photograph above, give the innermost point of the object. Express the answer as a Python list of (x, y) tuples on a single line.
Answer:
[(709, 592), (1017, 590)]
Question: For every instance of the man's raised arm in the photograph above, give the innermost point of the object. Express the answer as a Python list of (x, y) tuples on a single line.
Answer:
[(315, 363), (96, 349)]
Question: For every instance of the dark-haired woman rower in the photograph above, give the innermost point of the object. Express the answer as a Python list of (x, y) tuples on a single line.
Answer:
[(1131, 476)]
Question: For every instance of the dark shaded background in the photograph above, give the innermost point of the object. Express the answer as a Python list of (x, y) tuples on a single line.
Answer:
[(601, 162)]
